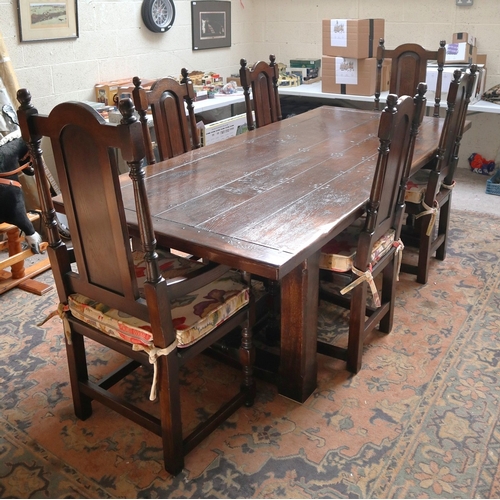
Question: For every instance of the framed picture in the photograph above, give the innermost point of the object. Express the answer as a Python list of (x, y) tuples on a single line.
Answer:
[(47, 20), (211, 22)]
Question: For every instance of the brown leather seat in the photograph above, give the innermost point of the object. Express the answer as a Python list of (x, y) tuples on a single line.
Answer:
[(409, 68), (429, 191), (351, 262), (152, 307), (168, 101), (262, 80)]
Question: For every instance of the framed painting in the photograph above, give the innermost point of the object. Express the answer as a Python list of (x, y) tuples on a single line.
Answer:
[(211, 24), (46, 20)]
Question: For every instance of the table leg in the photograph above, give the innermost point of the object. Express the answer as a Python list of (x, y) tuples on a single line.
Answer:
[(299, 318)]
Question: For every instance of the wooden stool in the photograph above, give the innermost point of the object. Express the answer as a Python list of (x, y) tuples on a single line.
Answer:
[(19, 276)]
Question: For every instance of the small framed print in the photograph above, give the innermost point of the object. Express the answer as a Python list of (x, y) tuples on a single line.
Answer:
[(39, 20), (211, 24)]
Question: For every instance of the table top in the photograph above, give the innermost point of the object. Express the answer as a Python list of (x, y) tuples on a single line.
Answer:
[(266, 200), (314, 90)]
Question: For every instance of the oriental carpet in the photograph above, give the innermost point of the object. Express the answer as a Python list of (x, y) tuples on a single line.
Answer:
[(420, 420)]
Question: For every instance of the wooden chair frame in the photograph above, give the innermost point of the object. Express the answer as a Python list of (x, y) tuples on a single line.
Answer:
[(409, 68), (436, 204), (83, 145), (168, 101), (262, 80), (398, 129)]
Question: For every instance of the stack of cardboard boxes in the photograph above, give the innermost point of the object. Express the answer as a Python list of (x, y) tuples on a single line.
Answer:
[(460, 53), (349, 64)]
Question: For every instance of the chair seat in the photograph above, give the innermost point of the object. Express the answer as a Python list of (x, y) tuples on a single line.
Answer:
[(194, 315), (338, 254)]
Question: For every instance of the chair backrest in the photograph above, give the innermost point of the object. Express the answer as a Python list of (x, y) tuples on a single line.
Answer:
[(398, 129), (83, 146), (446, 160), (409, 68), (262, 80), (168, 100)]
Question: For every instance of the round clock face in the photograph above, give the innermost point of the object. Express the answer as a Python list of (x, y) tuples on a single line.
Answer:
[(158, 15)]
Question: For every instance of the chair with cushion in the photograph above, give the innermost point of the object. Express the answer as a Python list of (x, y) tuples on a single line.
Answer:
[(168, 101), (153, 307), (428, 192), (262, 80), (370, 248), (409, 68)]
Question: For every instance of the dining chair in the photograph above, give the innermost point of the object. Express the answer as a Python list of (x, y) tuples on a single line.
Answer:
[(262, 81), (167, 100), (152, 307), (371, 248), (429, 191), (409, 68)]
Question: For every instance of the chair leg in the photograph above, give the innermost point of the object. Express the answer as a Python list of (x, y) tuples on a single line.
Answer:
[(170, 413), (356, 328), (444, 222), (77, 366), (389, 279), (247, 359), (424, 251)]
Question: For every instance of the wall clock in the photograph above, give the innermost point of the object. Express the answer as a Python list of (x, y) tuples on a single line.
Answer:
[(158, 15)]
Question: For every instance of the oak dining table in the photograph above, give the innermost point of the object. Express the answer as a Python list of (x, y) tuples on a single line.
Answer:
[(266, 201)]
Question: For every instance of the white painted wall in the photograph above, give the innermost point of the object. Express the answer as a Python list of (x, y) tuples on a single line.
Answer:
[(114, 43)]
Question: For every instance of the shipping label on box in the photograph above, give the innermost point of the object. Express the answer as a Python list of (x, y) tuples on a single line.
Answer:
[(356, 38), (460, 53)]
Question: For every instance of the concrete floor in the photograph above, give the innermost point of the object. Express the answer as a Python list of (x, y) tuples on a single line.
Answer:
[(469, 194)]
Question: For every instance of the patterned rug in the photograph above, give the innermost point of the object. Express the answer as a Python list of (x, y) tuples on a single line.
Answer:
[(420, 420)]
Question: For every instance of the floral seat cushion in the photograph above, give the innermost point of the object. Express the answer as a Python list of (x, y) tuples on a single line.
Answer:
[(338, 254), (194, 315), (416, 186)]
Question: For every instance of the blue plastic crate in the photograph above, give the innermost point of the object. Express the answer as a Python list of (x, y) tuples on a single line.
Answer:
[(492, 187)]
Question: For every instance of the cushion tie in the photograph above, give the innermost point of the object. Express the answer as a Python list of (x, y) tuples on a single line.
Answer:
[(62, 312), (154, 353), (363, 276), (432, 211), (448, 186), (398, 255)]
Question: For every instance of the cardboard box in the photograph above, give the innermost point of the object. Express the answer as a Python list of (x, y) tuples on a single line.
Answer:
[(352, 76), (234, 79), (105, 92), (479, 81), (464, 37), (355, 38), (223, 129), (481, 59), (461, 52)]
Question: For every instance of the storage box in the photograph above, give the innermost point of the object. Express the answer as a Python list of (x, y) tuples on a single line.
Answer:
[(493, 184), (464, 37), (356, 38), (460, 53), (352, 76), (223, 129), (105, 92), (447, 78), (234, 79), (305, 63)]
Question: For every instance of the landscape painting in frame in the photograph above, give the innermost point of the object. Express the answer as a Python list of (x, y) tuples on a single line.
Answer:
[(211, 24), (40, 20)]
